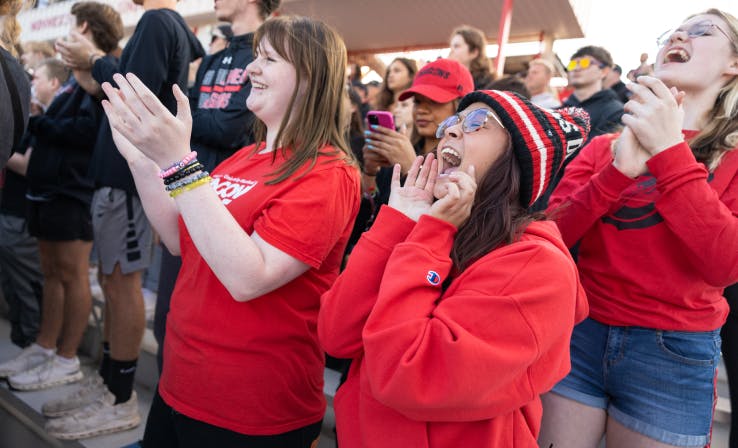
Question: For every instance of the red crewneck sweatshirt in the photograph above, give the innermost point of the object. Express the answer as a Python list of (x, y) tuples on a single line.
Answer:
[(658, 250), (462, 367)]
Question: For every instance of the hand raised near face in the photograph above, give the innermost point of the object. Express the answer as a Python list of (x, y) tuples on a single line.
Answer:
[(455, 197), (629, 157), (137, 115), (654, 114), (415, 196)]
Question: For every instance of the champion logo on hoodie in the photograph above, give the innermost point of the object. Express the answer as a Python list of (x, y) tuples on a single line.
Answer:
[(433, 278)]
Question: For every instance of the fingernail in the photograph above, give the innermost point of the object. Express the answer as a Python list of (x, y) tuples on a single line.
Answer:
[(367, 139), (367, 132), (374, 126), (370, 147)]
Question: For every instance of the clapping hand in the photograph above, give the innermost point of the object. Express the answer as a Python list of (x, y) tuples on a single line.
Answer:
[(629, 157), (142, 126), (654, 114), (76, 51)]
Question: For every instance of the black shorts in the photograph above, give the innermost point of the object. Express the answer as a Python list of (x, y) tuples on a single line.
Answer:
[(60, 219)]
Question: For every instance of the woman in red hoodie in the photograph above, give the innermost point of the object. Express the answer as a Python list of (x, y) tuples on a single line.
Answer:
[(654, 212), (458, 313)]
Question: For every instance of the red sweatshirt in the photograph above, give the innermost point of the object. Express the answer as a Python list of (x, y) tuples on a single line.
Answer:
[(656, 251), (461, 367)]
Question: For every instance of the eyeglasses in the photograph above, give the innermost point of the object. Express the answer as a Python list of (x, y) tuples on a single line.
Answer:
[(695, 30), (473, 121), (584, 63)]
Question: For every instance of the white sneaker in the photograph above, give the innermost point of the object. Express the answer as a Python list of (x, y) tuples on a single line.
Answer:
[(91, 389), (100, 417), (30, 357), (50, 373)]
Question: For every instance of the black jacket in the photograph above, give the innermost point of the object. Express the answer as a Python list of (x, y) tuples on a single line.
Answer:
[(62, 145), (159, 53), (621, 91), (604, 111), (13, 192), (17, 81), (221, 122)]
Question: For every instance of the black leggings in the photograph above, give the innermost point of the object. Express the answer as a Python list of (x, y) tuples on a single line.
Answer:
[(167, 428), (729, 334)]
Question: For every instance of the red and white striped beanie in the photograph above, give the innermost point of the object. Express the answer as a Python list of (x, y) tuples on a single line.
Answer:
[(541, 139)]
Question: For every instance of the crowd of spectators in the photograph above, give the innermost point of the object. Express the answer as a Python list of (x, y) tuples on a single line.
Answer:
[(486, 264)]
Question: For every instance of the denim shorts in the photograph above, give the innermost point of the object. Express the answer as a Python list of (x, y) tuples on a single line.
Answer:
[(658, 383)]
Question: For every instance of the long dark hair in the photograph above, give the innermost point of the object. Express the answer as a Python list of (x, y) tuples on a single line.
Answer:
[(497, 218), (474, 38), (386, 97)]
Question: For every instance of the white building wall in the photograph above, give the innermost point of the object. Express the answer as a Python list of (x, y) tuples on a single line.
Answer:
[(55, 21)]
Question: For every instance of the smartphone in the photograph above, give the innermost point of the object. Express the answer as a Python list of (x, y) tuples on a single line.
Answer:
[(380, 118)]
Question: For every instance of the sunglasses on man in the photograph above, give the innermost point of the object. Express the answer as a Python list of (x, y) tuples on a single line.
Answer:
[(584, 63)]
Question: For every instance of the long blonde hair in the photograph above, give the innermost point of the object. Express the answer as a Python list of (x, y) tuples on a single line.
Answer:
[(9, 26), (319, 56), (720, 135)]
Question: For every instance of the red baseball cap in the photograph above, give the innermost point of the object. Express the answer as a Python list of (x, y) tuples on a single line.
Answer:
[(442, 80)]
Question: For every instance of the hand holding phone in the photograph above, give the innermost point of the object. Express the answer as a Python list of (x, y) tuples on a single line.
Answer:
[(380, 118)]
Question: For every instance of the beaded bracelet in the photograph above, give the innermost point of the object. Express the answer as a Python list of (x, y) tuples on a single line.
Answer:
[(176, 166), (192, 168), (191, 186), (183, 182)]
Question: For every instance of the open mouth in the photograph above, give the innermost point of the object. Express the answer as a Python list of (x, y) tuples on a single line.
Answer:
[(451, 160), (676, 55), (257, 85)]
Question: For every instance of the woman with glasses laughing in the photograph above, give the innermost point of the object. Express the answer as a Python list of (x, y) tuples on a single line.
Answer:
[(458, 304), (654, 211)]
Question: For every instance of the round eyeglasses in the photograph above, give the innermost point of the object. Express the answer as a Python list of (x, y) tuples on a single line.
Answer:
[(473, 121)]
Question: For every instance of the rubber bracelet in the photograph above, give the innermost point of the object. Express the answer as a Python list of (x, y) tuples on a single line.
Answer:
[(176, 166), (205, 180), (192, 168), (186, 181)]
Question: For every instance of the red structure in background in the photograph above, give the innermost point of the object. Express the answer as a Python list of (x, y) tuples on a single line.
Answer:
[(503, 35)]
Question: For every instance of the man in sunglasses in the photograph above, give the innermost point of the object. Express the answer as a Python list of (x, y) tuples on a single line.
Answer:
[(587, 71)]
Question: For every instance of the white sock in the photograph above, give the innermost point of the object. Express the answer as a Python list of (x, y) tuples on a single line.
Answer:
[(66, 362), (38, 348)]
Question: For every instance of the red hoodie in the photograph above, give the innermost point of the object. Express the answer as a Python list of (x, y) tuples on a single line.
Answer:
[(461, 367), (656, 251)]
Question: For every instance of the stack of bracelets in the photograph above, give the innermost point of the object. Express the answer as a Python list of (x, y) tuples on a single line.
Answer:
[(185, 175)]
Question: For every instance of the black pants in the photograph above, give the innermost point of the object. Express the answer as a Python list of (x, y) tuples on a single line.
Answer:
[(168, 272), (729, 334), (21, 281), (167, 428)]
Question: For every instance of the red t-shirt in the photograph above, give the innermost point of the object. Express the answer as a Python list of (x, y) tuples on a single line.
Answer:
[(656, 251), (256, 367)]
